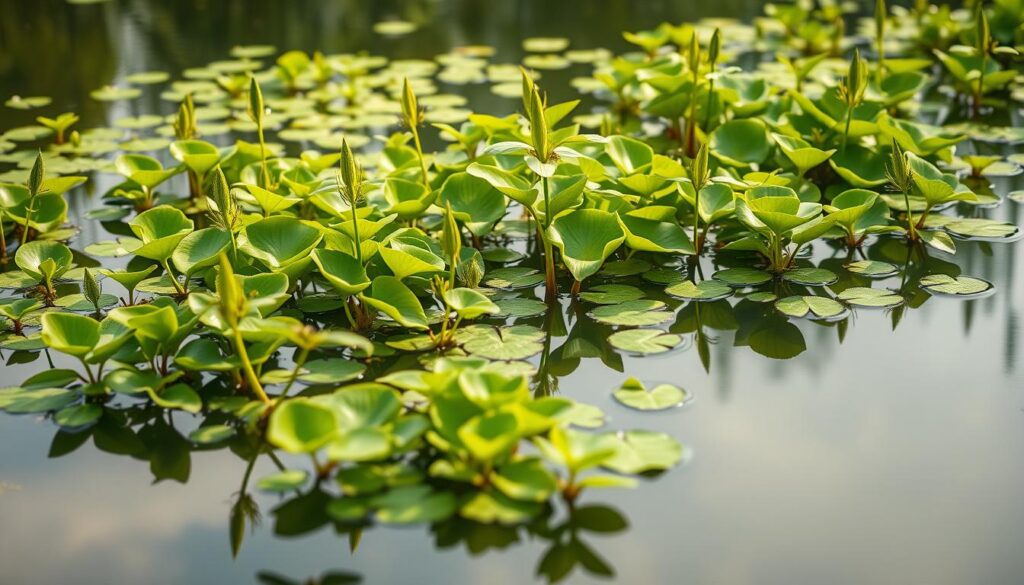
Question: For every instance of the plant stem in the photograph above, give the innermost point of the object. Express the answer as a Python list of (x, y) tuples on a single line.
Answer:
[(348, 313), (250, 374), (547, 203), (300, 360), (846, 131), (29, 210), (174, 279), (264, 173), (3, 242), (419, 153), (911, 228), (550, 284), (698, 245)]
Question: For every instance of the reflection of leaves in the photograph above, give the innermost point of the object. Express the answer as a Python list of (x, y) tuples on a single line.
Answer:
[(301, 515), (775, 337), (328, 578), (169, 453)]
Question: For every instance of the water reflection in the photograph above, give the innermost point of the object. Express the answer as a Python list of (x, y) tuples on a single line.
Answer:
[(722, 337)]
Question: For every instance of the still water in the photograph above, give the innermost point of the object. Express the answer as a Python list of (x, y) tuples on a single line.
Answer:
[(874, 454)]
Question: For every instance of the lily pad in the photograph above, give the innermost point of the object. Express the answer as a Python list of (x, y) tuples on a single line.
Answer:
[(956, 286), (644, 341), (609, 294), (637, 313), (742, 277), (707, 290), (870, 297), (813, 306), (872, 268), (810, 276), (635, 395)]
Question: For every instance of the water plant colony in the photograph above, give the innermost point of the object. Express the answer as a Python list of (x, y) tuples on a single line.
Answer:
[(359, 300)]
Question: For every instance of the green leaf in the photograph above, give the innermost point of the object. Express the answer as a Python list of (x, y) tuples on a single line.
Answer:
[(708, 290), (959, 286), (742, 277), (70, 333), (740, 143), (388, 295), (200, 249), (585, 237), (301, 425), (469, 304), (635, 395), (870, 297), (507, 343), (632, 313), (810, 276), (644, 341), (643, 451), (801, 306)]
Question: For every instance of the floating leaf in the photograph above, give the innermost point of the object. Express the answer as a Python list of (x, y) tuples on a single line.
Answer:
[(802, 306), (872, 268), (810, 276), (959, 286), (708, 290), (870, 297), (632, 313), (742, 277), (635, 395), (644, 341)]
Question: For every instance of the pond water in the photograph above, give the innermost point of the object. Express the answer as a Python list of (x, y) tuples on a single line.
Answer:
[(886, 449)]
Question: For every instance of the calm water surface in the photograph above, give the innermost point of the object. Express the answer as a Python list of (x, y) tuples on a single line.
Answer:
[(893, 456)]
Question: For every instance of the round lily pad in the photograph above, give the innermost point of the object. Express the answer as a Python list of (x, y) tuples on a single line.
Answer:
[(630, 267), (644, 341), (514, 277), (635, 395), (872, 268), (632, 313), (505, 343), (112, 93), (956, 286), (741, 277), (521, 307), (810, 276), (609, 294), (18, 102), (762, 297), (546, 61), (870, 297), (663, 276), (708, 290), (545, 44), (394, 28), (148, 77), (810, 306)]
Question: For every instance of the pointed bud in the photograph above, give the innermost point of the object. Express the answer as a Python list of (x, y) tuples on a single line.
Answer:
[(220, 194), (528, 88), (349, 173), (91, 289), (699, 168), (855, 80), (35, 177), (714, 48), (256, 108), (694, 54), (410, 106), (880, 14), (538, 125), (451, 237), (982, 34), (232, 300)]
